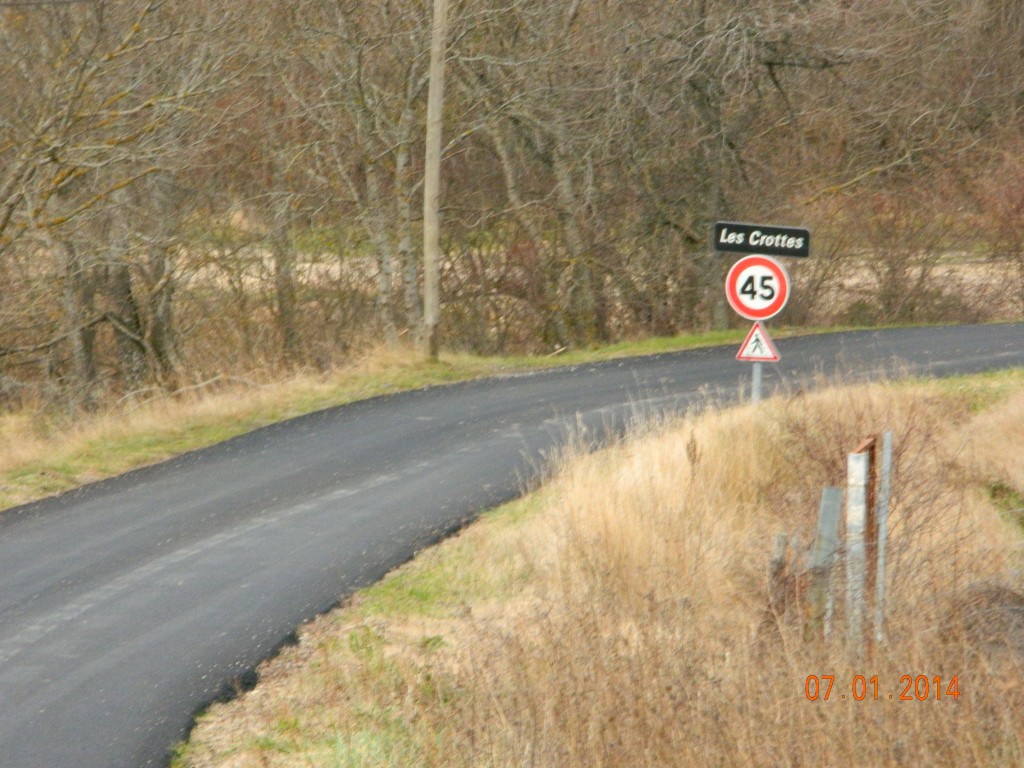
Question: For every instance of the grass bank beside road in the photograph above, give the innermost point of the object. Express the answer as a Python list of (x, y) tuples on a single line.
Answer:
[(622, 616)]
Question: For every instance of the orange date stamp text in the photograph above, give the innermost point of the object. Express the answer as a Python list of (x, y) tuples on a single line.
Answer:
[(862, 688)]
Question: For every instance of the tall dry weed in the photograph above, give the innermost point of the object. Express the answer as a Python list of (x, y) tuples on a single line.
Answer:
[(645, 644)]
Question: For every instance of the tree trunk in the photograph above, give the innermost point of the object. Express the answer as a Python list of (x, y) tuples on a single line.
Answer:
[(283, 259), (407, 255), (127, 325), (585, 312), (160, 337), (284, 299), (79, 296), (378, 233)]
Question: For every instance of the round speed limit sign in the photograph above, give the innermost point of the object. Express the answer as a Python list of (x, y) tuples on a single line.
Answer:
[(757, 287)]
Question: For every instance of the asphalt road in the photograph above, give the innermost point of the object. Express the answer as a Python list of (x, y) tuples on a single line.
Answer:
[(129, 604)]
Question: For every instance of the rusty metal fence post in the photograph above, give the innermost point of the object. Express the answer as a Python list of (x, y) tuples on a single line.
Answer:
[(882, 528)]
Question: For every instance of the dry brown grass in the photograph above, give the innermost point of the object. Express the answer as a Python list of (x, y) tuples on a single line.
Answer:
[(44, 452), (625, 620)]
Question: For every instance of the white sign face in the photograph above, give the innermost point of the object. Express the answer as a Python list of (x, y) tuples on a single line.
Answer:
[(758, 347), (757, 287)]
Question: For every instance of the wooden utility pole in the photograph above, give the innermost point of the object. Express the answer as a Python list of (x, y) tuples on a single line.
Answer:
[(432, 182)]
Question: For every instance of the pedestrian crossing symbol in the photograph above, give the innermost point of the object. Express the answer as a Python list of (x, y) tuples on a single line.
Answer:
[(758, 347)]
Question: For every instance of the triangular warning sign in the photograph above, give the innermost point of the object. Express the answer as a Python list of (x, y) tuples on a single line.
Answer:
[(758, 347)]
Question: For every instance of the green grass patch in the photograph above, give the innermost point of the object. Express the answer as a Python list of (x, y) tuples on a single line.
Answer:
[(982, 390), (438, 583), (1009, 501)]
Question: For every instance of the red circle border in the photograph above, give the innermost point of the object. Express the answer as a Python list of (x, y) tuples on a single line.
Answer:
[(732, 294)]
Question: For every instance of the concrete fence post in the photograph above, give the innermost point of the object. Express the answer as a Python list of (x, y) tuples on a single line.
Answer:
[(822, 561), (858, 471)]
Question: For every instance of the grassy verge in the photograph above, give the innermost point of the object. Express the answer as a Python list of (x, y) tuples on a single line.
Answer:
[(41, 455), (623, 616)]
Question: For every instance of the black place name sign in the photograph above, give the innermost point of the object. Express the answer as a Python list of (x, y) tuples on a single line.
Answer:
[(770, 240)]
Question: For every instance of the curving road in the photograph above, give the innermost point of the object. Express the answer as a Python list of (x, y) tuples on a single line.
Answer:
[(129, 604)]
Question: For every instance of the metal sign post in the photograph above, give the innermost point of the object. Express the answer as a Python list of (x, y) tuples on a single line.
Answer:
[(758, 348)]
